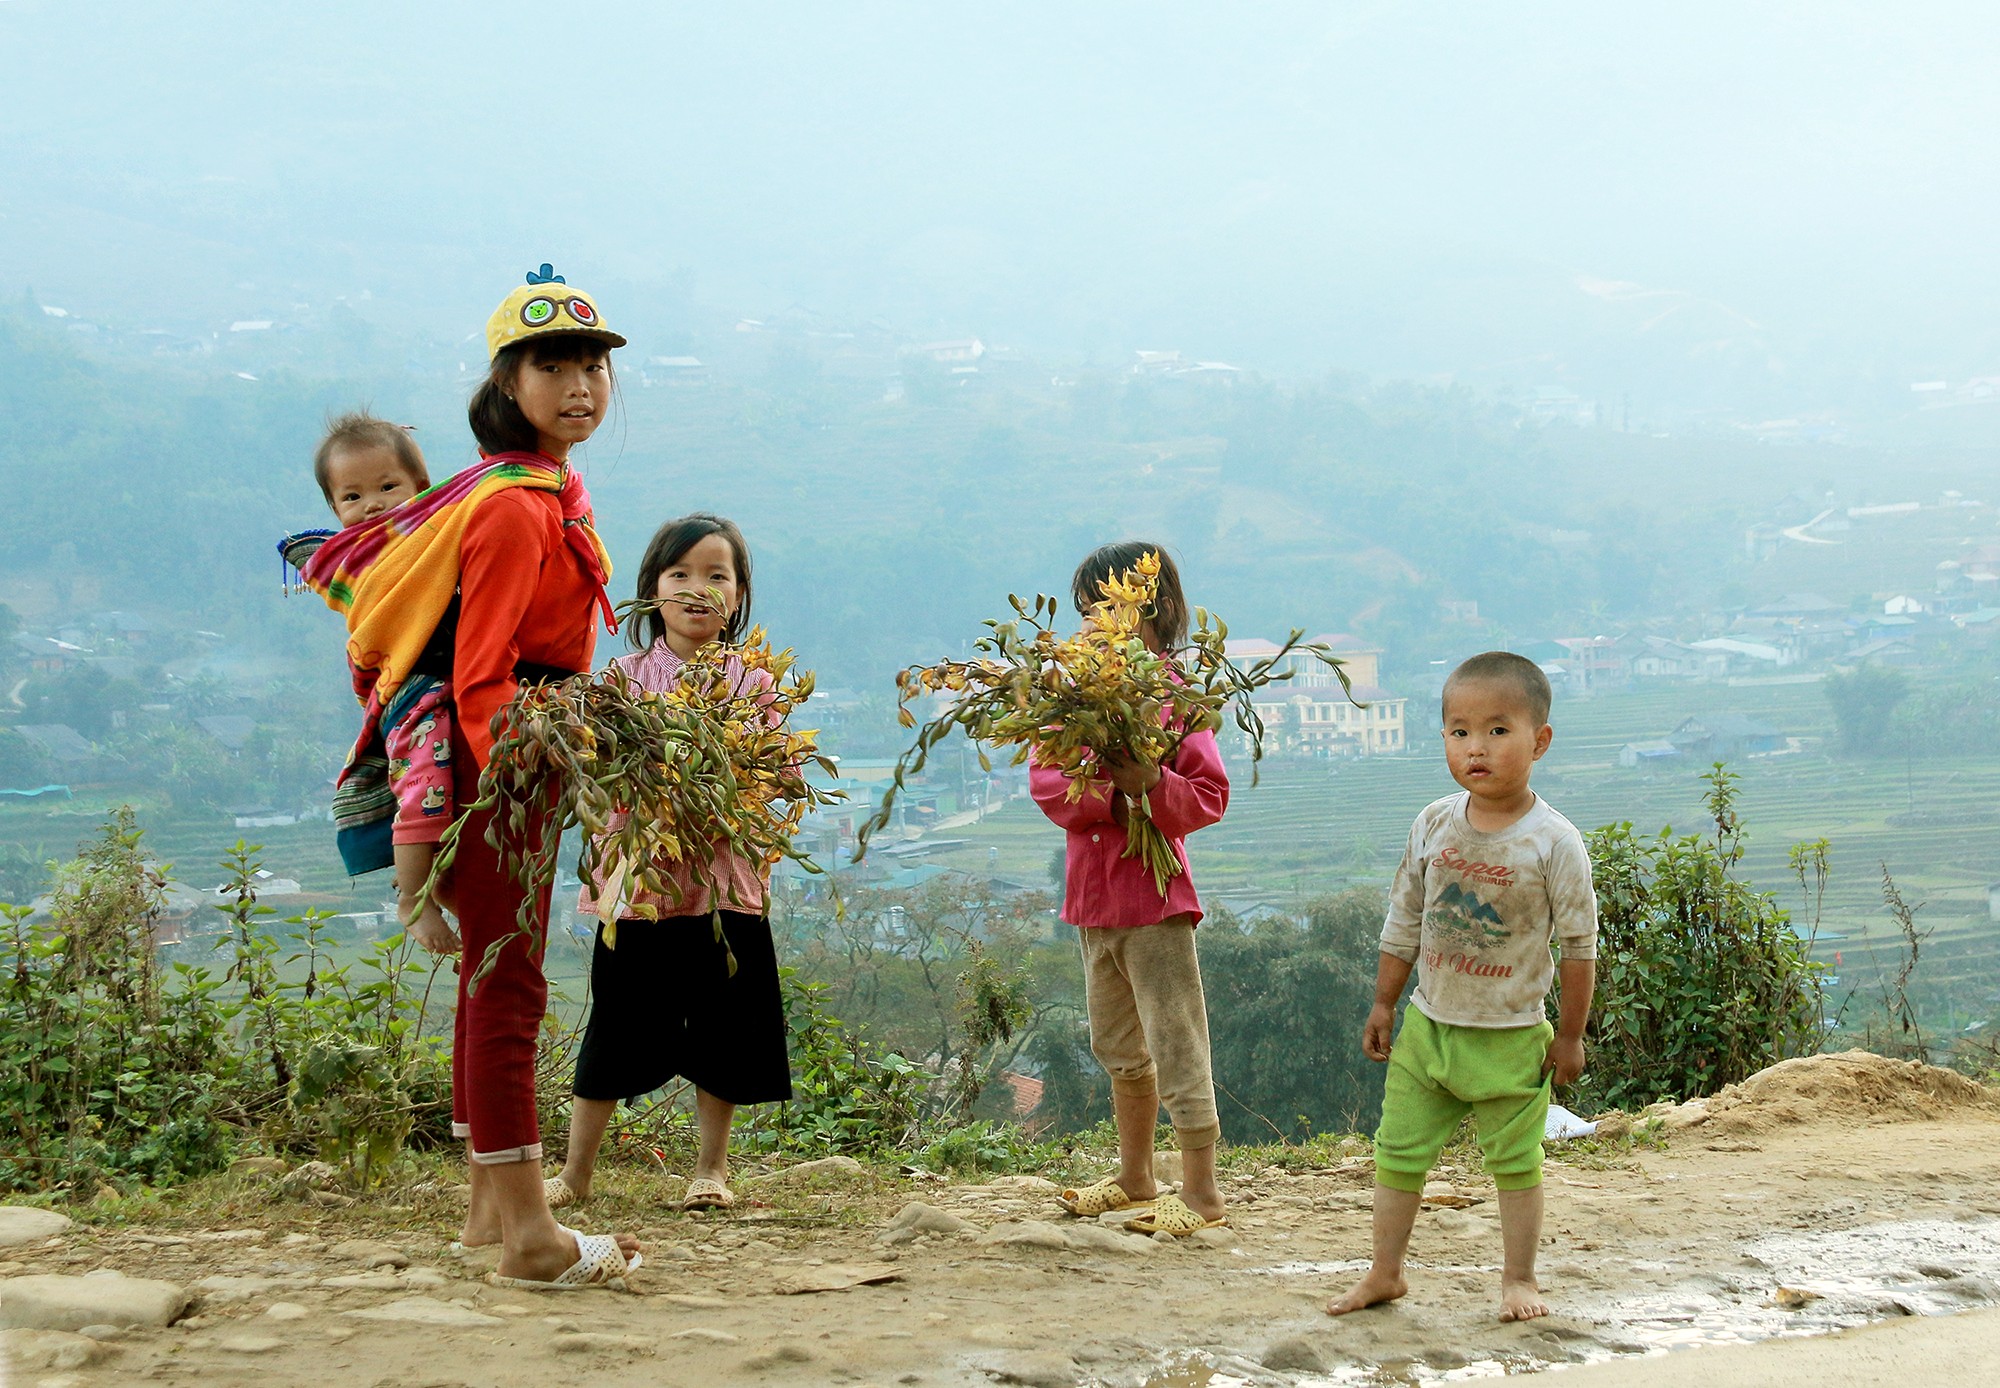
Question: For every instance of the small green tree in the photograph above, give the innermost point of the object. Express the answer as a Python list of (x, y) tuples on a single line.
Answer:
[(1864, 701), (1286, 1002), (1701, 980)]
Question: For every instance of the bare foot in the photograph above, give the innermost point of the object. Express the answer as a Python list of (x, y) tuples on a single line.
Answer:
[(1137, 1191), (546, 1262), (1522, 1301), (1372, 1290), (481, 1237), (1207, 1208)]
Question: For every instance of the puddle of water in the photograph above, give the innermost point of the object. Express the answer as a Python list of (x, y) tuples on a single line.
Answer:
[(1847, 1277), (1200, 1372), (1843, 1278)]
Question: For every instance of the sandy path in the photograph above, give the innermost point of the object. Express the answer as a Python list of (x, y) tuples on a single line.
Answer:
[(1685, 1244)]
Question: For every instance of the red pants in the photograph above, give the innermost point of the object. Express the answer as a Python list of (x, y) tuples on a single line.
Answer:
[(498, 1024)]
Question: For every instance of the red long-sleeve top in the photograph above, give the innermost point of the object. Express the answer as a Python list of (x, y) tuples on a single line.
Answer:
[(523, 596), (1102, 888)]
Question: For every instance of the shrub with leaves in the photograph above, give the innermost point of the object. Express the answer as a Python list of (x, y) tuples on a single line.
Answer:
[(1071, 702), (847, 1097), (107, 1070), (1701, 979), (652, 777), (120, 1065)]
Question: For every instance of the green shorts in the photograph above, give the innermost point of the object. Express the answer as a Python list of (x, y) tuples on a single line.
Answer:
[(1438, 1073)]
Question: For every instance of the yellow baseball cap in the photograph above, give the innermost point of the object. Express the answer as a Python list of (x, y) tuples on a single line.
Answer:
[(545, 304)]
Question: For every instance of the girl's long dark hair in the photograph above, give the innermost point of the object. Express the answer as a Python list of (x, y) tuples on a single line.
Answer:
[(645, 626), (496, 420), (1169, 613)]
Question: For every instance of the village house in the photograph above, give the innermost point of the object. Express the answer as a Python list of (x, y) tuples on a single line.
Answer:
[(68, 754), (958, 352), (1891, 652), (125, 630), (1726, 737), (1581, 665), (1310, 712), (1741, 656), (230, 731), (1661, 658), (49, 655), (1650, 756)]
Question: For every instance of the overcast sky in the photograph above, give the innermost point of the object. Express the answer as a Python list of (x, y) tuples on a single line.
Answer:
[(1805, 191)]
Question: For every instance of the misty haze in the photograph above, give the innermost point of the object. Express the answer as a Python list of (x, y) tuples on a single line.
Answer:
[(1661, 349)]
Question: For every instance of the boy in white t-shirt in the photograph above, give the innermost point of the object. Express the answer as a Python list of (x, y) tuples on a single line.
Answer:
[(1490, 877)]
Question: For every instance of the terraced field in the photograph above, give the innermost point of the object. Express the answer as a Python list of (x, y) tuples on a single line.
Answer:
[(1311, 827)]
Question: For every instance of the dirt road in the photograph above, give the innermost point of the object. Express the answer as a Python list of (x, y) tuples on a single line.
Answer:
[(1827, 1199)]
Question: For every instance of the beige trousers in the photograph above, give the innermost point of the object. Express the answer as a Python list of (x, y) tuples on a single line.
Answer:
[(1149, 1022)]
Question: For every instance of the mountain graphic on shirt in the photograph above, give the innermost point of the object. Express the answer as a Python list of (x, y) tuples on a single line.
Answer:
[(1460, 918)]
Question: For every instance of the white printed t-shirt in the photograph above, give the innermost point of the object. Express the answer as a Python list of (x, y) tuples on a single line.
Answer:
[(1476, 912)]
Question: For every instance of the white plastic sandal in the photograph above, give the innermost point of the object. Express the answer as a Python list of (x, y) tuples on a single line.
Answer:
[(600, 1263), (559, 1193)]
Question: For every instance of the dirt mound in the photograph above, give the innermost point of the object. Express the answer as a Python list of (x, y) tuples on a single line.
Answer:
[(1853, 1086)]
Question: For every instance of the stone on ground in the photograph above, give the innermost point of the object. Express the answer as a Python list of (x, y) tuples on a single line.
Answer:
[(1025, 1233), (929, 1219), (421, 1310), (21, 1224), (53, 1302), (48, 1349), (369, 1253), (251, 1344), (1098, 1239), (1035, 1368), (1296, 1355)]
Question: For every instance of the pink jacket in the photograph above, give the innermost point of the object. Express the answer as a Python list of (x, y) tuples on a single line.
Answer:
[(1101, 888)]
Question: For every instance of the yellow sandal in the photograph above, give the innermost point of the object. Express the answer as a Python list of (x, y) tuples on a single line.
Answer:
[(1171, 1215), (1100, 1198)]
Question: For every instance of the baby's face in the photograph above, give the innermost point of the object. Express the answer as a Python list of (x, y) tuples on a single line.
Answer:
[(362, 483)]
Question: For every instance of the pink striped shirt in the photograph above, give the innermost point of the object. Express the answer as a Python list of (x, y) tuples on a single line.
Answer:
[(742, 884), (1100, 887)]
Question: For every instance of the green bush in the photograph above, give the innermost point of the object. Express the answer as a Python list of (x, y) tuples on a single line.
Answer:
[(846, 1096), (982, 1146), (106, 1071), (1701, 980), (116, 1069)]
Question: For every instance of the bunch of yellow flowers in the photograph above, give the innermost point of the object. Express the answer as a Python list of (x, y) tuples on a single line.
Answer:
[(652, 778), (1071, 702)]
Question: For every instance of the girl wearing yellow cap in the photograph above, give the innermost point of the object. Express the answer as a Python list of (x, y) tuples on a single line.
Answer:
[(490, 579), (530, 578)]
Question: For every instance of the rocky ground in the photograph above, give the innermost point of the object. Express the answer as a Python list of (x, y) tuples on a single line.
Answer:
[(1824, 1194)]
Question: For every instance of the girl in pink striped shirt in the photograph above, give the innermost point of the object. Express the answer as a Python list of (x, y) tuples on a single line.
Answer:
[(663, 1002), (1142, 982)]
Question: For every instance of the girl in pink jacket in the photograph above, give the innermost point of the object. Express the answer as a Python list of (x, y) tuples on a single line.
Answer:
[(1142, 982)]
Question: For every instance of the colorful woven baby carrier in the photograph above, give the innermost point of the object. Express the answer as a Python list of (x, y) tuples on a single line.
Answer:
[(395, 578)]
